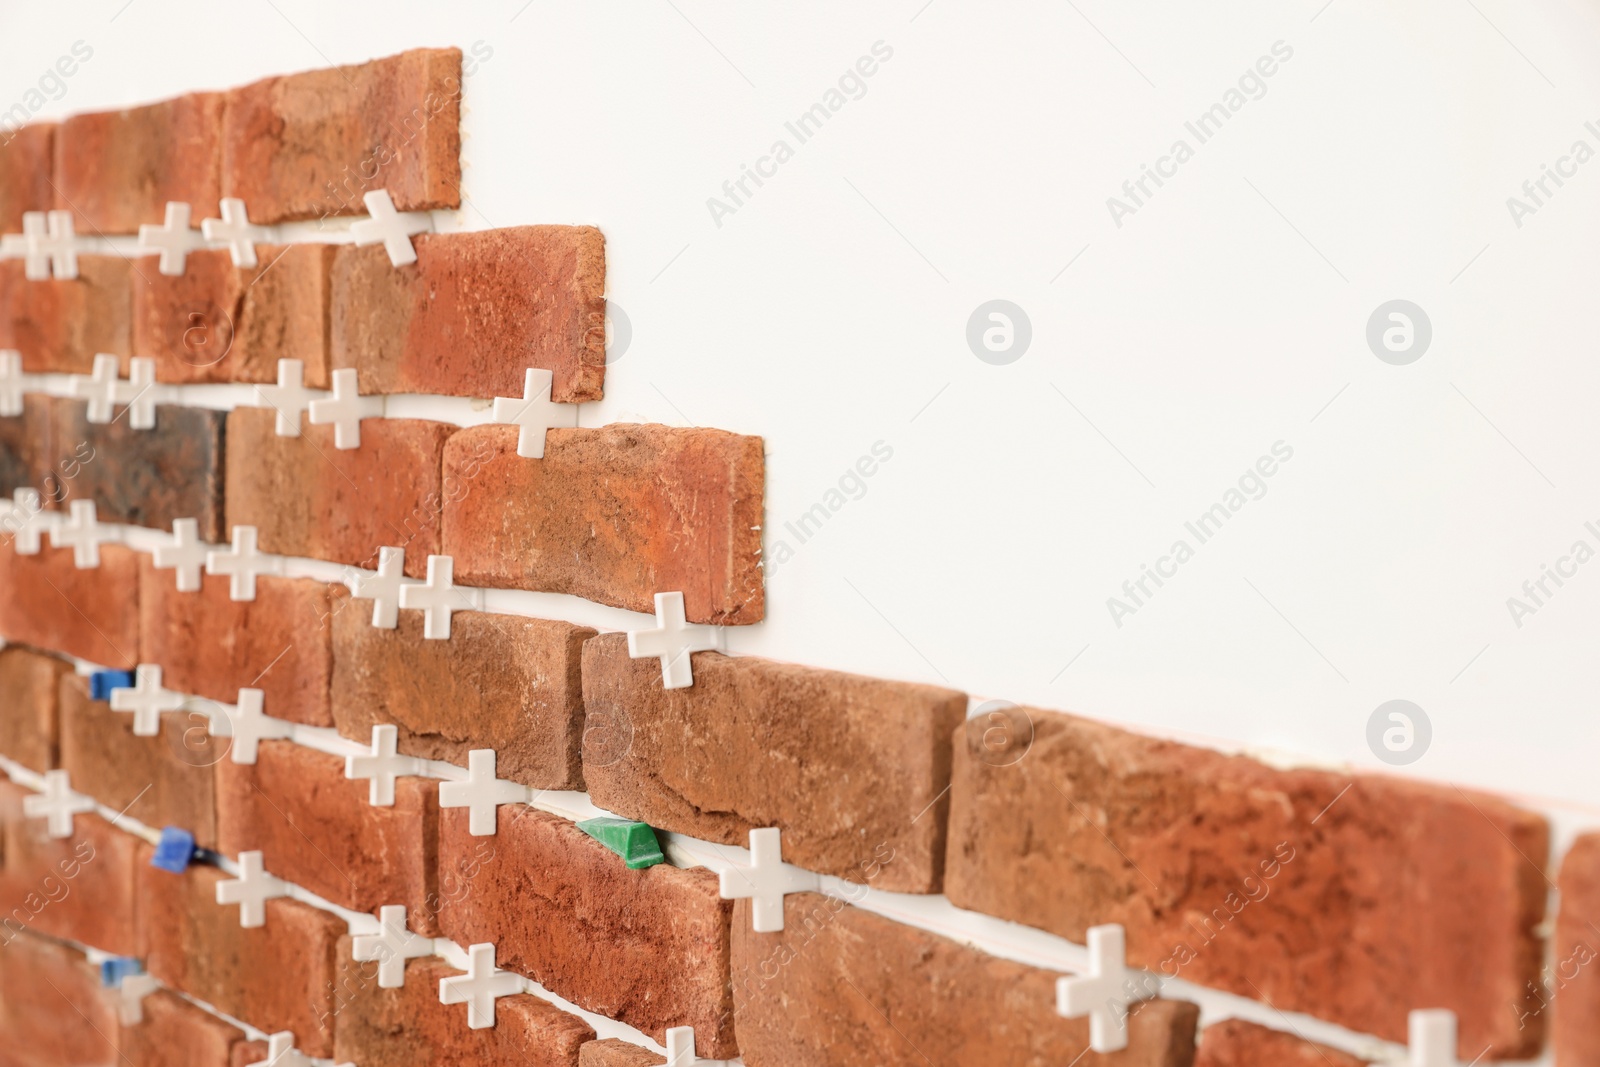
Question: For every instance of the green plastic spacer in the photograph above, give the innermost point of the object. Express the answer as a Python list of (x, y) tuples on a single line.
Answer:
[(635, 842)]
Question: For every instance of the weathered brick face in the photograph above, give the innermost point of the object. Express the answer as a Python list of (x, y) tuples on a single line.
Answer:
[(60, 325), (25, 159), (1571, 989), (50, 603), (80, 888), (29, 732), (1237, 1043), (52, 1011), (175, 1033)]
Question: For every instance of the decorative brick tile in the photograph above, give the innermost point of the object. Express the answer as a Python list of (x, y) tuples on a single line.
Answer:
[(1237, 1043), (164, 780), (27, 450), (117, 169), (147, 477), (615, 1053), (843, 987), (502, 681), (408, 1027), (614, 514), (26, 155), (279, 976), (28, 730), (315, 828), (474, 312), (212, 645), (854, 770), (306, 146), (1572, 987), (51, 604), (52, 1010), (80, 888), (60, 325), (221, 323), (175, 1033), (1183, 845), (646, 947), (308, 498)]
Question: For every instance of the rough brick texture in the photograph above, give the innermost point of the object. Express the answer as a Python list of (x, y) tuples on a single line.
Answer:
[(309, 499), (614, 514), (502, 681), (212, 645), (305, 146), (474, 312), (1237, 1043), (25, 160), (52, 1011), (51, 604), (854, 770), (315, 828), (60, 325), (221, 323), (175, 1033), (117, 169), (161, 781), (841, 987), (616, 1053), (79, 888), (147, 477), (279, 976), (408, 1027), (1386, 894), (646, 947), (27, 449), (28, 723), (1572, 987)]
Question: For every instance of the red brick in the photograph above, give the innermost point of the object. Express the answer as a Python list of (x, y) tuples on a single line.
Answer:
[(161, 781), (408, 1027), (1237, 1043), (306, 146), (52, 1010), (315, 828), (212, 645), (854, 770), (646, 947), (474, 312), (27, 449), (117, 169), (614, 514), (25, 160), (843, 987), (1386, 894), (279, 976), (60, 325), (1572, 987), (28, 730), (248, 1052), (92, 614), (79, 888), (175, 1033), (221, 323), (502, 681), (309, 499), (615, 1053)]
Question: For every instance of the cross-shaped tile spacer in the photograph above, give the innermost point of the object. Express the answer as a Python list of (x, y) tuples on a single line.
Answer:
[(185, 553), (26, 519), (247, 726), (84, 533), (147, 700), (535, 413), (481, 793), (390, 228), (346, 409), (288, 398), (680, 1047), (57, 804), (242, 563), (672, 640), (382, 766), (480, 987), (174, 239), (10, 382), (236, 231), (1432, 1038), (391, 946), (766, 881), (382, 588), (104, 390), (49, 243), (35, 261), (282, 1053), (439, 598), (131, 992), (1106, 991), (251, 890)]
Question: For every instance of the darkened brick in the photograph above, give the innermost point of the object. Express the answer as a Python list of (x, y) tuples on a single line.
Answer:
[(27, 443)]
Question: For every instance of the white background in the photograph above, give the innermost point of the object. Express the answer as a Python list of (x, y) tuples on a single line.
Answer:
[(829, 313)]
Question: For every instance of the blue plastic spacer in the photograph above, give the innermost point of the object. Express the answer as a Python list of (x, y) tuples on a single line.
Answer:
[(101, 683), (174, 851), (115, 969)]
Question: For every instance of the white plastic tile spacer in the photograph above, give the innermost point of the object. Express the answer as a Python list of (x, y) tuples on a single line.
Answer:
[(174, 239), (104, 391), (84, 533), (242, 563), (382, 766), (680, 1047), (345, 409), (247, 726), (1432, 1038), (236, 231), (147, 700), (439, 598), (535, 413), (131, 992), (281, 1051), (251, 890), (185, 553), (57, 804), (391, 946), (766, 881), (289, 398), (481, 793), (10, 382), (49, 245), (672, 641), (26, 519), (480, 987), (382, 588), (15, 245), (390, 228), (1106, 991)]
